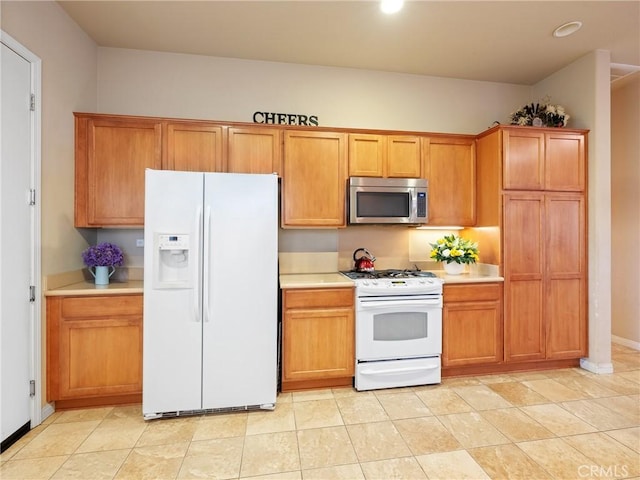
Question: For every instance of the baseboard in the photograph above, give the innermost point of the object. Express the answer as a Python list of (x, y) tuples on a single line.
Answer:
[(625, 342), (599, 368), (47, 410), (511, 367), (108, 401), (15, 436)]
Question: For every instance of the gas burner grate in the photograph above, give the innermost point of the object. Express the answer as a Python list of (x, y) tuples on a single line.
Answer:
[(407, 274), (390, 273)]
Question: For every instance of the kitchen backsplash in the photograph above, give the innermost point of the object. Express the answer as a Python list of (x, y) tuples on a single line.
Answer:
[(127, 240), (307, 262), (393, 246)]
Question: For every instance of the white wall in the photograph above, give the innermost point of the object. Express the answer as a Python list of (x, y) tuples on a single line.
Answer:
[(69, 80), (583, 89), (625, 212), (192, 86)]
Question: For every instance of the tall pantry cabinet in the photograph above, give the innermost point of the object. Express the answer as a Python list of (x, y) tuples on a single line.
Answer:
[(531, 184)]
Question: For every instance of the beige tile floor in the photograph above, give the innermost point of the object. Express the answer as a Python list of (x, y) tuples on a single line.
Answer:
[(561, 424)]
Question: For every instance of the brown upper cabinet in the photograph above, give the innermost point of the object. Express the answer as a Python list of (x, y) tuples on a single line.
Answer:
[(450, 169), (113, 151), (526, 159), (403, 156), (111, 156), (314, 177), (372, 155), (367, 155), (565, 165), (539, 160), (193, 147), (253, 150)]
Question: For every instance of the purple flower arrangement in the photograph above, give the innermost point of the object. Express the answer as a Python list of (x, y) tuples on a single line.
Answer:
[(104, 254)]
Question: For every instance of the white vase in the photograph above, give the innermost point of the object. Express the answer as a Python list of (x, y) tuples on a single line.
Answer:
[(453, 268), (102, 274)]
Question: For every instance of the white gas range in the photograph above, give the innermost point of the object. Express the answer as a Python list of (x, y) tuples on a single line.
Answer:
[(398, 328)]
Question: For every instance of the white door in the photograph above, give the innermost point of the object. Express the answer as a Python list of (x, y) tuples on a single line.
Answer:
[(16, 309), (239, 366), (172, 346)]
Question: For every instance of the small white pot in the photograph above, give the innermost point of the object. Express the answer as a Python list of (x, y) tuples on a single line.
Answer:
[(453, 268)]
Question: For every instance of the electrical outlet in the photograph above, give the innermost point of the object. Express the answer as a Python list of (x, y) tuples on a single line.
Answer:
[(140, 242)]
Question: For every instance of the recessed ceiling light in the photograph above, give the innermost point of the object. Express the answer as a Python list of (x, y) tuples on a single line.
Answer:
[(567, 29), (391, 6)]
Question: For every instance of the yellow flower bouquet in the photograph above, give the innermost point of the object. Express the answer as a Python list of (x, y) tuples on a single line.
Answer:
[(454, 249)]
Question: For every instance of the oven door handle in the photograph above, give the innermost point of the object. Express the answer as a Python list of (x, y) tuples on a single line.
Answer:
[(393, 371), (364, 304)]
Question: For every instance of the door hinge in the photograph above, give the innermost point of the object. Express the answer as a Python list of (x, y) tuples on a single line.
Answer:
[(32, 197), (32, 388), (32, 103), (32, 293)]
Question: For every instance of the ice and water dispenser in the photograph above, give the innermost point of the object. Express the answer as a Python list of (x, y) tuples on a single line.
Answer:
[(171, 261)]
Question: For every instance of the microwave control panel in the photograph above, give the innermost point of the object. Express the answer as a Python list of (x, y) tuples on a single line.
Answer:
[(422, 204)]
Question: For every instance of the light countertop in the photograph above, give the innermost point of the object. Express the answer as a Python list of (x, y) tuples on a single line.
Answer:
[(475, 273), (468, 277), (335, 280), (302, 280), (320, 270), (315, 280), (88, 288), (74, 283)]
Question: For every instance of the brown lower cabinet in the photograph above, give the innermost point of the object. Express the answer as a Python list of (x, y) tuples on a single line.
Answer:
[(318, 338), (472, 324), (94, 350), (478, 338)]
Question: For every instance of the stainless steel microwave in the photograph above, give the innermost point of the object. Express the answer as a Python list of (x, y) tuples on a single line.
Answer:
[(387, 200)]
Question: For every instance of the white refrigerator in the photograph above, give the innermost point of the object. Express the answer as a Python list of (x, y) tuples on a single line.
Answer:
[(210, 292)]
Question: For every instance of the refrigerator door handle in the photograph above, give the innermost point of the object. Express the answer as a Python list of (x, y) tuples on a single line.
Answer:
[(206, 254), (196, 267)]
